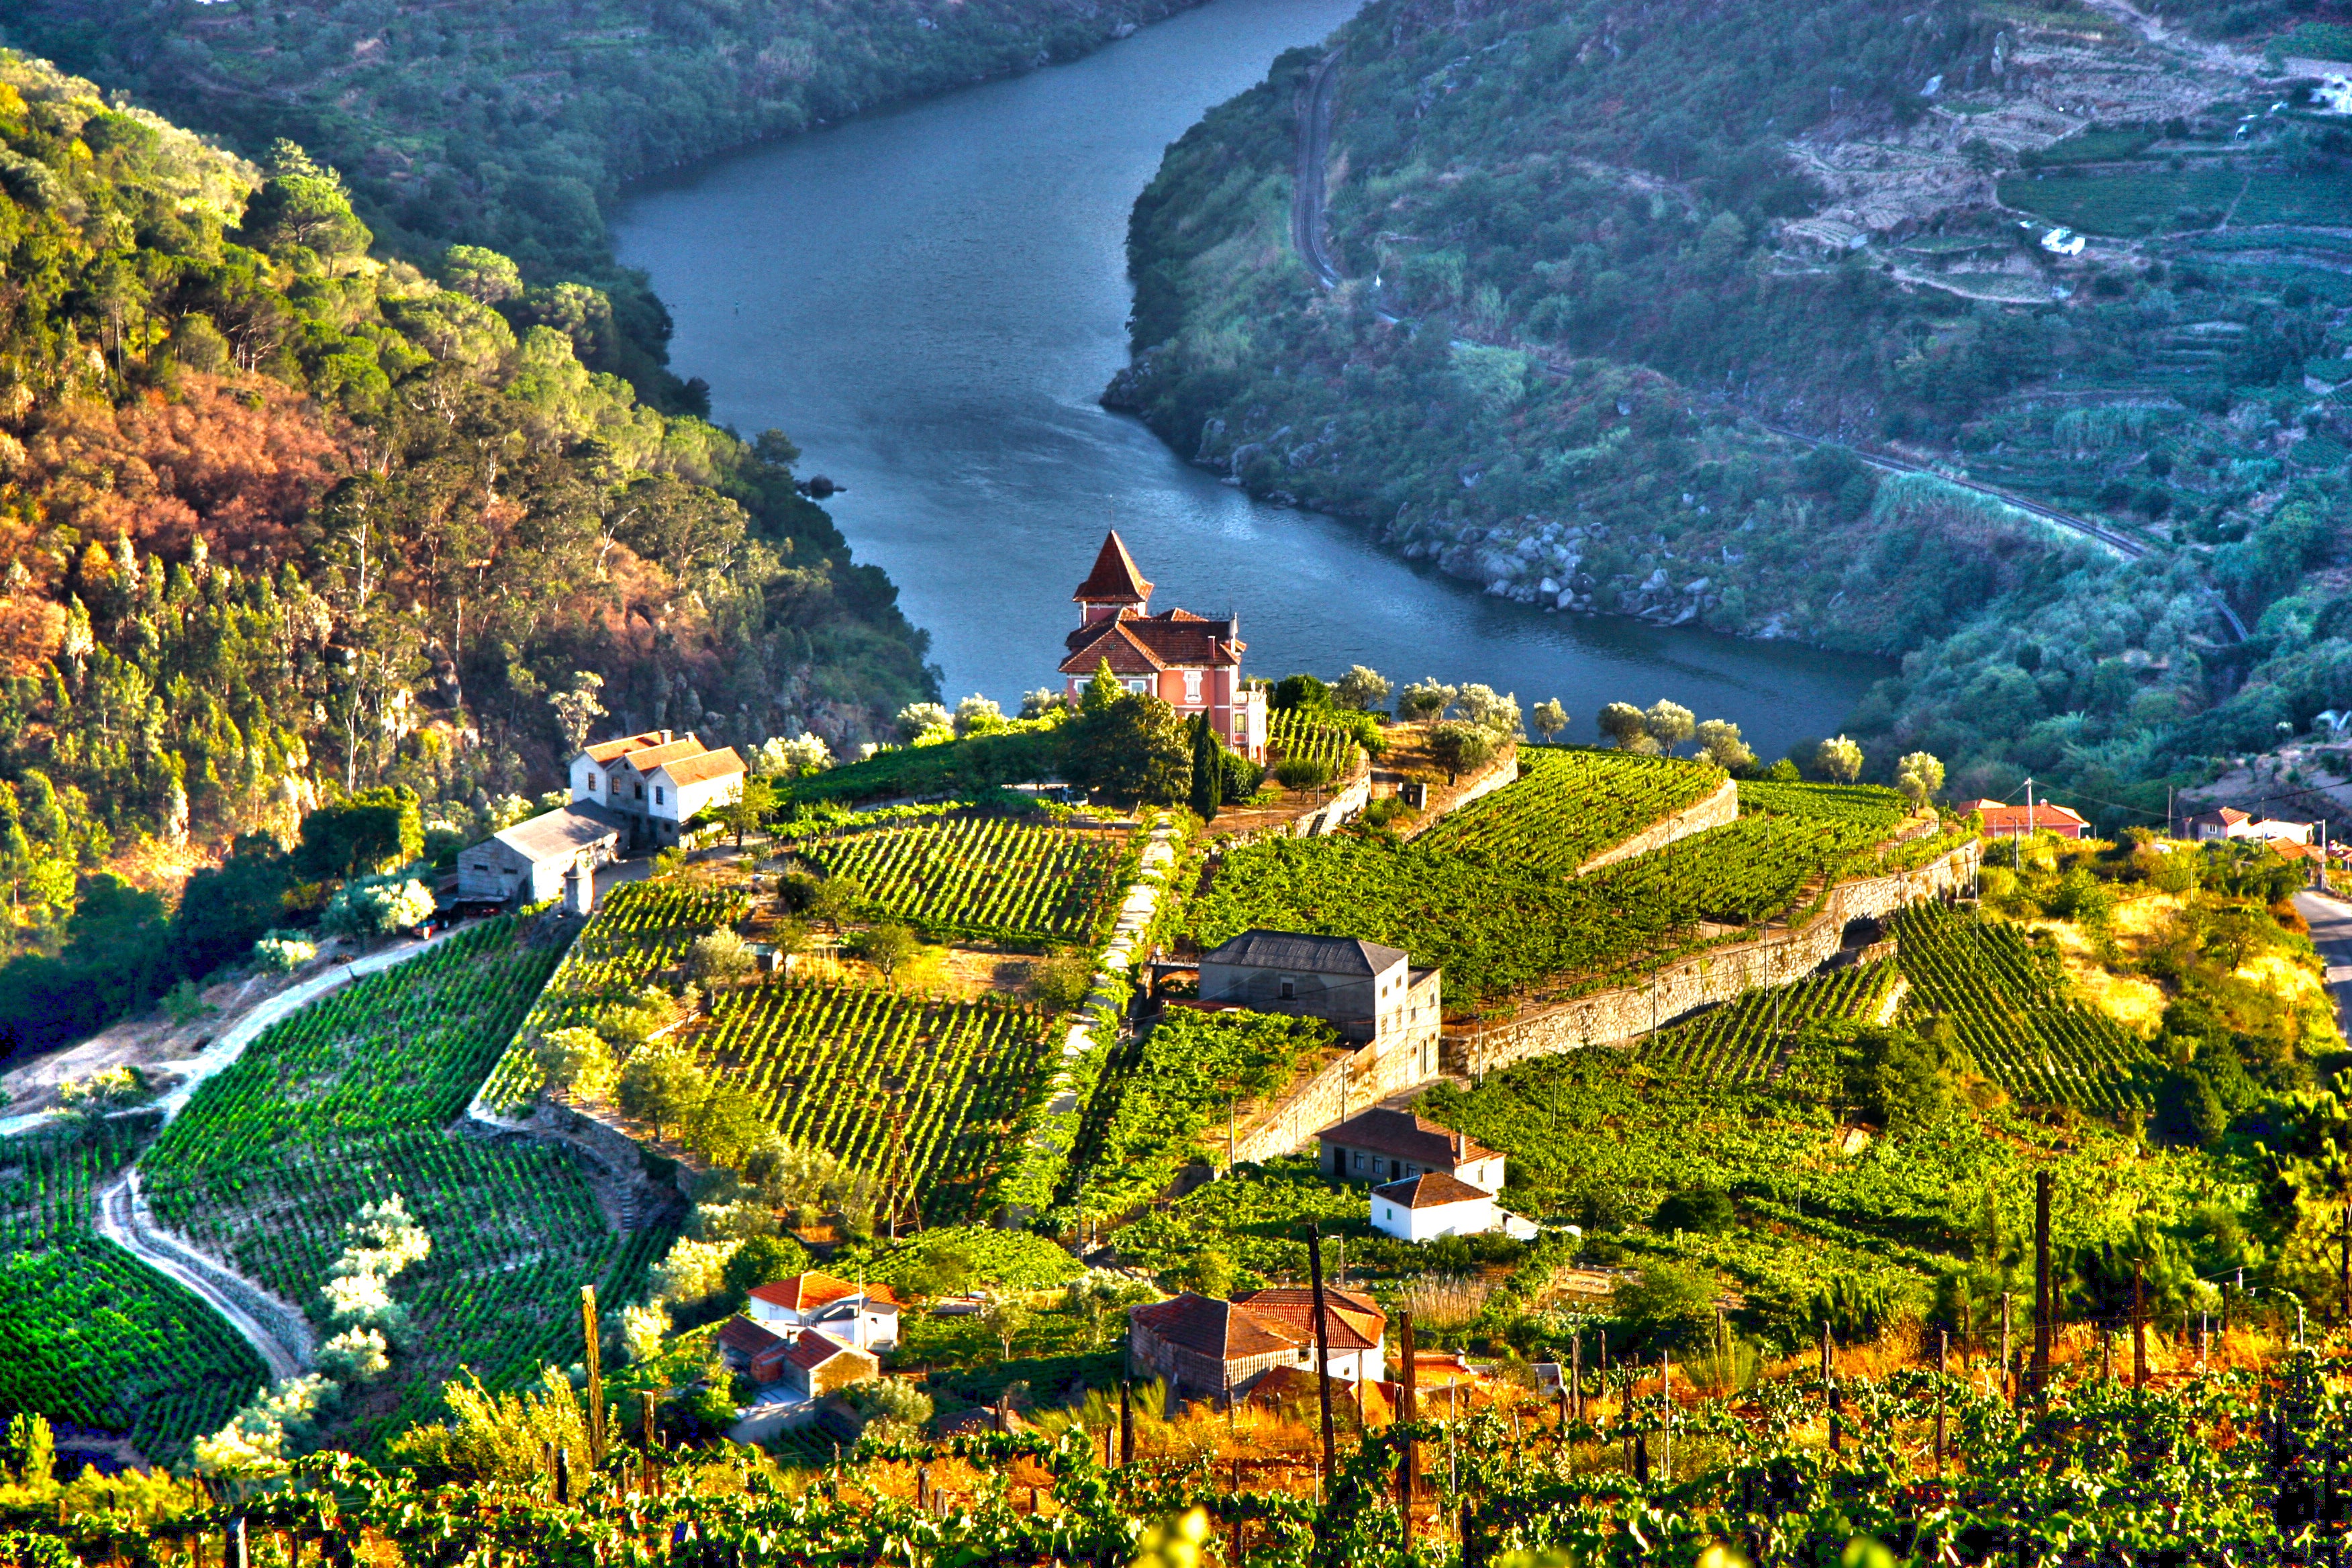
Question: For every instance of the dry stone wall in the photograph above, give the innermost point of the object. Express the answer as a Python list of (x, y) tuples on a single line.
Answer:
[(1354, 1083), (1710, 978), (1716, 810)]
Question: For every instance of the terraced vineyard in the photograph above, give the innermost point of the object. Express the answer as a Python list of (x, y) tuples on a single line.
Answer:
[(1868, 805), (346, 1102), (642, 929), (2010, 1005), (991, 878), (90, 1335), (1742, 1041), (1298, 732), (1568, 805), (924, 1095)]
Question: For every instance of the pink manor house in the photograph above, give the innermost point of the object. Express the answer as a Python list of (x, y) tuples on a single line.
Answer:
[(1190, 662)]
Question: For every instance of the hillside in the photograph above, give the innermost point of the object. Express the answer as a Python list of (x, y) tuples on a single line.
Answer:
[(281, 520), (514, 125), (1614, 285)]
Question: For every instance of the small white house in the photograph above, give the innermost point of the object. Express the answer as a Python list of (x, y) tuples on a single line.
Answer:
[(532, 857), (1434, 1204), (865, 1319), (656, 781), (2063, 242)]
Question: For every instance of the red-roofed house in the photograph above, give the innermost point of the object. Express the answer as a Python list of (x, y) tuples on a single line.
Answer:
[(1205, 1347), (2002, 821), (818, 1364), (656, 781), (1384, 1145), (1434, 1204), (1192, 663), (751, 1349), (2229, 822), (867, 1318)]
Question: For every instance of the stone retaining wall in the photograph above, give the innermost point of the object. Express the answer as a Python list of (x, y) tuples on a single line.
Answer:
[(1716, 810), (1707, 979), (1352, 1084)]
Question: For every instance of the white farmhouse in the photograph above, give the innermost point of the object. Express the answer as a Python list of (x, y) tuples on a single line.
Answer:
[(1434, 1204), (656, 781), (863, 1318)]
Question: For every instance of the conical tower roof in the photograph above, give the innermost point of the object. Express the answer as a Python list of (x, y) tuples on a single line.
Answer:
[(1114, 580)]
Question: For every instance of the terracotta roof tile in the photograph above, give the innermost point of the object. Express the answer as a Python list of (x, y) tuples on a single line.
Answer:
[(1354, 1322), (718, 764), (2044, 813), (743, 1334), (801, 1292), (1215, 1328), (646, 761), (605, 751), (1401, 1135), (1114, 645), (1430, 1189), (812, 1350), (1114, 580)]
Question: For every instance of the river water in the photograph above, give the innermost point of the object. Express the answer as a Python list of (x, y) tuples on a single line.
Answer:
[(929, 300)]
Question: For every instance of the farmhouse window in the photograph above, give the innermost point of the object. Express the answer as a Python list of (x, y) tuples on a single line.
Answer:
[(658, 794), (1191, 686), (1289, 988)]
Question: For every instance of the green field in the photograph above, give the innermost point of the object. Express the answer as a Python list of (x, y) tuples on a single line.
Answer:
[(1745, 1039), (2009, 1000), (90, 1335), (2157, 200), (986, 879), (926, 1096), (349, 1102), (641, 929), (1567, 805)]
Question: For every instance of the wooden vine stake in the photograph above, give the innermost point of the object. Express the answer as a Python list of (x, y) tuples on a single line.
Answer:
[(1322, 1346), (594, 1360), (2044, 1302), (1408, 1411), (1943, 1354)]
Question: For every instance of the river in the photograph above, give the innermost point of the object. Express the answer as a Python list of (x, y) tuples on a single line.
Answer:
[(929, 300)]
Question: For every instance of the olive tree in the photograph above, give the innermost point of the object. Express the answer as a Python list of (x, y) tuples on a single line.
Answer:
[(1669, 724), (1550, 717), (1627, 728), (1718, 739), (1838, 758), (1919, 775)]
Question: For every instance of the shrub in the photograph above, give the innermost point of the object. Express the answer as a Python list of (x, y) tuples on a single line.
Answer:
[(278, 952), (1668, 1307), (377, 906), (718, 956), (1708, 1210), (1303, 773)]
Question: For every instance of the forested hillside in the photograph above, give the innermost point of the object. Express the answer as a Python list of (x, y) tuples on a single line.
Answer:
[(510, 124), (280, 520), (1624, 290)]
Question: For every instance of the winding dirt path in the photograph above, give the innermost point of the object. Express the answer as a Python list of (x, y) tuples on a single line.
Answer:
[(272, 1325)]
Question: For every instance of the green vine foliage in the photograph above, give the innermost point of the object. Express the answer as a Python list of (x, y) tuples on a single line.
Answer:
[(2231, 1467)]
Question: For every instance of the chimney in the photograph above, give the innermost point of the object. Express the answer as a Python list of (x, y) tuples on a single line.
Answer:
[(578, 890)]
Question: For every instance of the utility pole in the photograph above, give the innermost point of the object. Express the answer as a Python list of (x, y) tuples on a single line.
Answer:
[(2140, 1326)]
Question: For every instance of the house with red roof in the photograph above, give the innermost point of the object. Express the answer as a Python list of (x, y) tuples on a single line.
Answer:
[(2229, 822), (1192, 663), (818, 1364), (655, 782), (752, 1349), (1212, 1348), (863, 1316), (2005, 821)]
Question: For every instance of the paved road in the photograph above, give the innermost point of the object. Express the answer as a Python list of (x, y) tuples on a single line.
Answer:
[(1310, 195), (2331, 932)]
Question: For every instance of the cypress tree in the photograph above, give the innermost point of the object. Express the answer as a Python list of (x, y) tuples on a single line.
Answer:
[(1208, 769)]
